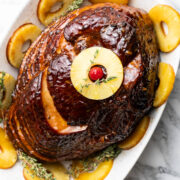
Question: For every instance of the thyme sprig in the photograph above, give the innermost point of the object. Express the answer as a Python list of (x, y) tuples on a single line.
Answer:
[(37, 168), (95, 56), (91, 163), (75, 5), (98, 82), (2, 89)]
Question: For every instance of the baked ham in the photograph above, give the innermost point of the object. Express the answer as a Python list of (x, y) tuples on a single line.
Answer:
[(49, 119)]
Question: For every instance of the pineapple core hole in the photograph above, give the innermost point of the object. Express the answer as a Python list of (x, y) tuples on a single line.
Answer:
[(164, 28), (56, 7), (26, 46)]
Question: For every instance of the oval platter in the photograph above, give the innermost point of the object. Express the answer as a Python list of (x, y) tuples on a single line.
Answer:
[(127, 159)]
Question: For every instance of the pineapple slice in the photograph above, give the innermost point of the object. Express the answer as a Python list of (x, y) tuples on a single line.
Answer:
[(29, 175), (25, 33), (137, 135), (99, 174), (84, 63), (167, 78), (7, 85), (58, 171), (46, 16), (168, 15), (111, 1), (8, 155), (54, 118)]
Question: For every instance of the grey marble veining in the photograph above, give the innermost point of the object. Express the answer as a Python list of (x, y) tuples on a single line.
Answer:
[(161, 158)]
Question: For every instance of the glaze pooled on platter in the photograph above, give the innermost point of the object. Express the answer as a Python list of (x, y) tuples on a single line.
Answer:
[(94, 125)]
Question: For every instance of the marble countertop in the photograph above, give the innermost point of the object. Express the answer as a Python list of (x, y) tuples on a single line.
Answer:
[(161, 158)]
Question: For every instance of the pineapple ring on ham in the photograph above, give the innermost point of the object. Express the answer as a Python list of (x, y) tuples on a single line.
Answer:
[(101, 89), (46, 16)]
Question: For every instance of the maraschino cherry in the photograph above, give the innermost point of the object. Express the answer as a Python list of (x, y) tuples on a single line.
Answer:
[(96, 73)]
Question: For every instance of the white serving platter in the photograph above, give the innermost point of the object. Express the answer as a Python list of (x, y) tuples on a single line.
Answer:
[(127, 159)]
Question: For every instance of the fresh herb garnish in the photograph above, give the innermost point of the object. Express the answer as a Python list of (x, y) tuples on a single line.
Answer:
[(84, 86), (109, 79), (95, 56), (36, 167), (98, 82), (91, 163), (92, 62), (96, 53), (75, 5), (2, 87)]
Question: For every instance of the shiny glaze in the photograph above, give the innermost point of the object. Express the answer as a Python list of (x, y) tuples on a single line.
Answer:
[(129, 33)]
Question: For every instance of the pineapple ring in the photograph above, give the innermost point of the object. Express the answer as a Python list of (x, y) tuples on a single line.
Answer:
[(137, 135), (25, 33), (110, 1), (58, 171), (100, 173), (8, 155), (80, 73), (164, 13), (44, 13), (167, 78), (9, 85)]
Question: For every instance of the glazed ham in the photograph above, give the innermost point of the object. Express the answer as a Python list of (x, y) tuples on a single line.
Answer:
[(49, 119)]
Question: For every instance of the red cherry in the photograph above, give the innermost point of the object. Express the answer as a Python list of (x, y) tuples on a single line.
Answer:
[(96, 73)]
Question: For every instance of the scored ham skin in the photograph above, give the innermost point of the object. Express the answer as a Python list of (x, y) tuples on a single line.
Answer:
[(129, 33)]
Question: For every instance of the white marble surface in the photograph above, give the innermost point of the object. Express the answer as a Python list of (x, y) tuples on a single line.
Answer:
[(161, 158)]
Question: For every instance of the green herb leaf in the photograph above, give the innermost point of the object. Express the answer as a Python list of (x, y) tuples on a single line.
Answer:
[(98, 82), (92, 62), (90, 163), (2, 87), (36, 167), (111, 78), (96, 53), (75, 5)]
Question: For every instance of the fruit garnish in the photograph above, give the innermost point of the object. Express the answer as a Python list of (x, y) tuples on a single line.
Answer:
[(46, 16), (8, 155), (99, 174), (137, 135), (24, 34), (58, 171), (167, 78), (53, 117), (7, 85), (90, 163), (110, 1), (34, 168), (165, 14), (91, 83), (96, 73)]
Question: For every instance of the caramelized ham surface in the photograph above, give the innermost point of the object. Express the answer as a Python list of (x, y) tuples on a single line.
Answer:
[(49, 119)]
